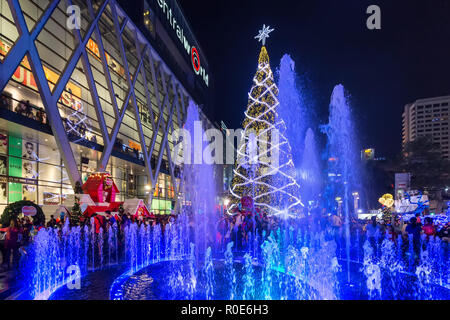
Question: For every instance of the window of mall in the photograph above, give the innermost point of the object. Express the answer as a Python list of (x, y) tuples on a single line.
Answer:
[(30, 171), (30, 167), (33, 171), (76, 105)]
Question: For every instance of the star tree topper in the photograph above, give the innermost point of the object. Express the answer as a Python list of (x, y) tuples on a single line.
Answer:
[(264, 34)]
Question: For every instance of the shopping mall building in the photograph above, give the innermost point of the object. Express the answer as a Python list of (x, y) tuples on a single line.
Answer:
[(100, 94)]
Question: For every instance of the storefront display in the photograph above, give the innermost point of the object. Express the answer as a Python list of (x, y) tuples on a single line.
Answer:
[(3, 142), (29, 192), (34, 171), (3, 190), (14, 192), (3, 166)]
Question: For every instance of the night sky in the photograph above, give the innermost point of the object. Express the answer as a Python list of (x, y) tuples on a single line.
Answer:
[(382, 70)]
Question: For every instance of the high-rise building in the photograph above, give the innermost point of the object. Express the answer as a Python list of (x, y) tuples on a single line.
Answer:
[(430, 117), (95, 85)]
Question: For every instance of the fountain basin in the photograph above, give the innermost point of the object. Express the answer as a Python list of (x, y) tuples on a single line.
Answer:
[(168, 281), (153, 283)]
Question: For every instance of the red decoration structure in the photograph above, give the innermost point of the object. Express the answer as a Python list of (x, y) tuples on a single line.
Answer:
[(247, 207), (101, 188), (137, 208)]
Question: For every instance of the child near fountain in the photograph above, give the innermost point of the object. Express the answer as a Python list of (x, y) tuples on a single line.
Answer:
[(429, 229)]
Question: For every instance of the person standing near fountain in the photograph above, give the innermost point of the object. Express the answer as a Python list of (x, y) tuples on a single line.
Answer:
[(444, 233), (110, 220), (373, 232), (429, 229), (11, 244), (396, 228), (336, 224), (415, 229)]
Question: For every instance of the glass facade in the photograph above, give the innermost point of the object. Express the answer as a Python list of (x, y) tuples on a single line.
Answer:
[(31, 170), (75, 105), (119, 104)]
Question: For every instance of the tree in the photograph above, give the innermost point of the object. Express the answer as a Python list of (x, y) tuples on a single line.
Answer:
[(423, 159), (78, 189), (264, 168), (75, 215)]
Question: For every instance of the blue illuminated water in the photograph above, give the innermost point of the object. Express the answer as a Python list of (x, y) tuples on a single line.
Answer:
[(310, 170), (292, 108), (307, 269), (292, 261)]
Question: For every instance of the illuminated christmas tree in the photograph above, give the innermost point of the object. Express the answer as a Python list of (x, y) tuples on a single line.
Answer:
[(264, 168)]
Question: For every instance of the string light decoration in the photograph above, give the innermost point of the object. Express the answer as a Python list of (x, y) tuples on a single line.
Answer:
[(270, 183), (77, 122)]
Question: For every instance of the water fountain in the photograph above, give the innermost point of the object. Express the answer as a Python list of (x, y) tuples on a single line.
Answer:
[(248, 279), (292, 107), (310, 172), (309, 269), (372, 272), (289, 261), (198, 186), (231, 272), (343, 159), (192, 275), (208, 271)]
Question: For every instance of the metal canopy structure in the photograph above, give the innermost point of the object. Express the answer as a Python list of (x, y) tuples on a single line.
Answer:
[(173, 100)]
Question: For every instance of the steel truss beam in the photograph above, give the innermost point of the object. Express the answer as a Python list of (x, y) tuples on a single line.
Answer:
[(25, 46)]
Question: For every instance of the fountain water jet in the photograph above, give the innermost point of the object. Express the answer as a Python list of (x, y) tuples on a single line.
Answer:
[(343, 172), (292, 108), (199, 187), (310, 177)]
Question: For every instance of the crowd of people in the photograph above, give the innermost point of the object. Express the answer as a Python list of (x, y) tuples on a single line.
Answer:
[(24, 108), (396, 227), (241, 226), (420, 230), (15, 237), (245, 222), (121, 147)]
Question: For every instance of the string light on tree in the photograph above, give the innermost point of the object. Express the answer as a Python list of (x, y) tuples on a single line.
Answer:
[(270, 183)]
